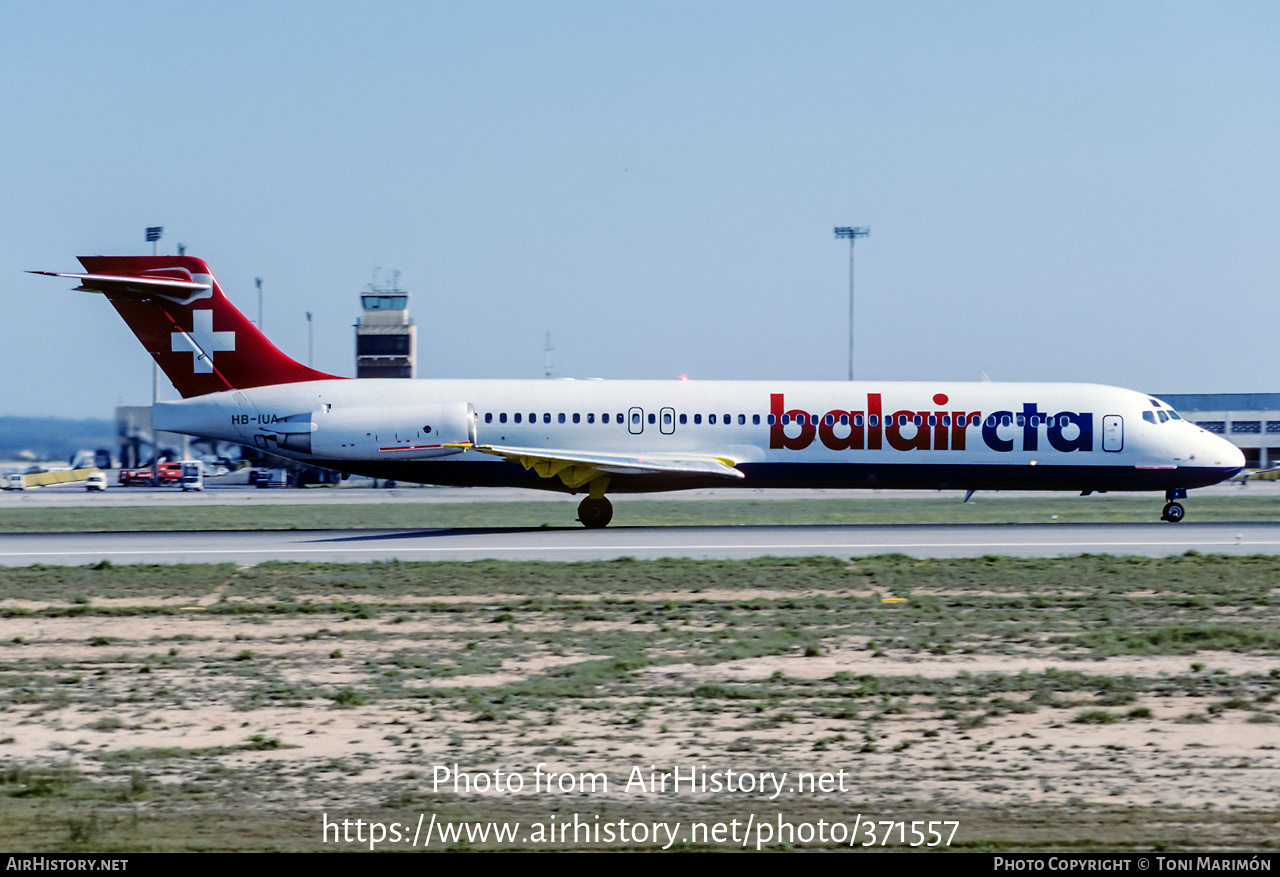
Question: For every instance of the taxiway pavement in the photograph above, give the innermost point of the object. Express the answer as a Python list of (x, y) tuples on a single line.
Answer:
[(576, 543)]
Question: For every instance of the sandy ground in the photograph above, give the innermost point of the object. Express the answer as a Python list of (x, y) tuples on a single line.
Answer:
[(99, 701)]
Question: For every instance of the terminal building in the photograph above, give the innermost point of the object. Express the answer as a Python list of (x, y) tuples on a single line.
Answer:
[(1250, 421), (386, 338)]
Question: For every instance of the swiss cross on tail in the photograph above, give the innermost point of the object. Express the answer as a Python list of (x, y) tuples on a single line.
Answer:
[(161, 296), (202, 342)]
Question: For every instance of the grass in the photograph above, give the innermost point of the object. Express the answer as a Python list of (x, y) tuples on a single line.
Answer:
[(986, 508)]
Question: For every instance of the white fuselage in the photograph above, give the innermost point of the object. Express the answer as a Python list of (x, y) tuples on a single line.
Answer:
[(866, 434)]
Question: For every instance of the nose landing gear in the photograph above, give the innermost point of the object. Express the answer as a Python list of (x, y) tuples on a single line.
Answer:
[(1173, 510), (595, 513)]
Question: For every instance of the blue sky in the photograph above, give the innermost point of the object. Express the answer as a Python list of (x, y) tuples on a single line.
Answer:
[(1057, 191)]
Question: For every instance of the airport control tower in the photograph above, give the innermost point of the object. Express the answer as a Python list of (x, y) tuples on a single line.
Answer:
[(386, 339)]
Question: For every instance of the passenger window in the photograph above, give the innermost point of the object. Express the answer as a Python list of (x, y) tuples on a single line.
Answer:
[(684, 418), (533, 418), (755, 419), (560, 417), (618, 418), (772, 421), (873, 420), (546, 418), (786, 419), (517, 417), (697, 418), (635, 418), (653, 418), (829, 420), (1149, 416), (502, 418), (844, 419), (728, 419), (1020, 420), (577, 418), (1006, 420), (711, 418), (488, 417), (604, 418), (666, 419), (591, 418), (742, 420)]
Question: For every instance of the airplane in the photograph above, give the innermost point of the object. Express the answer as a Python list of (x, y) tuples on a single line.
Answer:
[(599, 437)]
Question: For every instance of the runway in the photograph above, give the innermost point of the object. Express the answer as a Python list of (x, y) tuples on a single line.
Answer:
[(578, 544)]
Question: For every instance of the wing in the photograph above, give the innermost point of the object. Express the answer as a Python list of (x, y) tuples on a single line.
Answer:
[(577, 468)]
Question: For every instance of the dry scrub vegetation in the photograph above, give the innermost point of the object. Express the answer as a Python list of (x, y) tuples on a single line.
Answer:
[(1094, 702)]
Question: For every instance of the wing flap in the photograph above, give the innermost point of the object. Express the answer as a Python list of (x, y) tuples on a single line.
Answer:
[(577, 464)]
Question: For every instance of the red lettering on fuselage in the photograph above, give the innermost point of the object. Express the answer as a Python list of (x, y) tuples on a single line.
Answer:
[(840, 430), (873, 421), (778, 437), (917, 440), (850, 420)]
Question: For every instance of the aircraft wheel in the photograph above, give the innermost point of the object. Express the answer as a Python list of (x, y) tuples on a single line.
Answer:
[(595, 513), (1173, 512)]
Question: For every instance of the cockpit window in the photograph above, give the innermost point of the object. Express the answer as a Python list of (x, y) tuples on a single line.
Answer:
[(1155, 403), (1175, 415), (1164, 417), (1149, 416)]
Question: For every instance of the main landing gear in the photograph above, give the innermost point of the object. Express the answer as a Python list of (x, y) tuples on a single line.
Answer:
[(595, 513), (1173, 510)]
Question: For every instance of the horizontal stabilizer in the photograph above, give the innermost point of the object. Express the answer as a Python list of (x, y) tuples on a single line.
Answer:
[(122, 285)]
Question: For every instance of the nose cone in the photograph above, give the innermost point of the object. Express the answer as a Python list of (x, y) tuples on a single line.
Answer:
[(1221, 454)]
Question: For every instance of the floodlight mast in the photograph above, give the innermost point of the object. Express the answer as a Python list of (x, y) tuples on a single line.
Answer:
[(852, 233), (153, 236)]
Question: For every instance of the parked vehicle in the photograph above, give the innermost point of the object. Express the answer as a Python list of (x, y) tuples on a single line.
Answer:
[(170, 473), (192, 475), (274, 478)]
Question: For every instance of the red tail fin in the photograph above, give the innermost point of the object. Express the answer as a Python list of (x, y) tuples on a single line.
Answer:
[(179, 313)]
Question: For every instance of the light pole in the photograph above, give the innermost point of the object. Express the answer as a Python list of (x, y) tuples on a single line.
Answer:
[(310, 345), (258, 282), (852, 233), (153, 236)]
